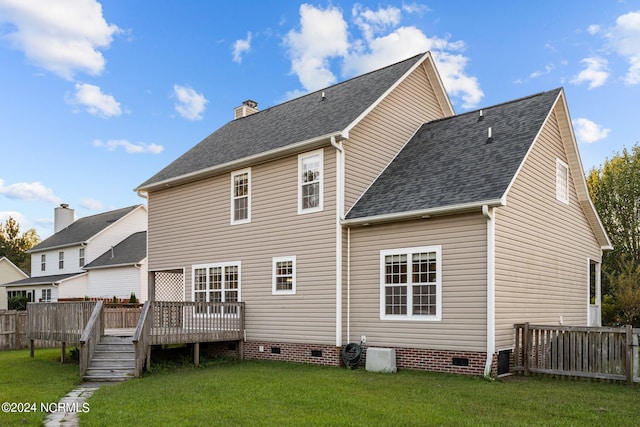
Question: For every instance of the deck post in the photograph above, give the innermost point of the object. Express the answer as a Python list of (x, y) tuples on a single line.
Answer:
[(196, 354), (64, 350), (241, 350), (148, 357), (31, 348)]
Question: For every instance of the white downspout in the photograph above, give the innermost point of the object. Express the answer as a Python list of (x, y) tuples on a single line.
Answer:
[(348, 284), (339, 217), (491, 288)]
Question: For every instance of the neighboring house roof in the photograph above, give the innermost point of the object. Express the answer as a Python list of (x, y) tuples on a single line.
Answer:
[(130, 251), (292, 124), (43, 280), (82, 229)]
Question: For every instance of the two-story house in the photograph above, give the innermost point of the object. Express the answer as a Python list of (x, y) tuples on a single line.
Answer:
[(370, 212), (98, 256)]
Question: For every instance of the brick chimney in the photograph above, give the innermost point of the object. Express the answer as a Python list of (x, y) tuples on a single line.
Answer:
[(247, 108), (62, 217)]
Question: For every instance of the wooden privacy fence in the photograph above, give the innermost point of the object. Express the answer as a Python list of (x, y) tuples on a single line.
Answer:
[(604, 353)]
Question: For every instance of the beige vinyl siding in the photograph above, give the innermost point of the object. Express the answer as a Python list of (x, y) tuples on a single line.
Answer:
[(463, 324), (542, 245), (378, 138), (190, 224)]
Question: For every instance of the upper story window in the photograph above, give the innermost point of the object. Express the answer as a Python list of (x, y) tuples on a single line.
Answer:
[(60, 260), (284, 275), (241, 196), (43, 262), (310, 179), (562, 181), (81, 257), (411, 283)]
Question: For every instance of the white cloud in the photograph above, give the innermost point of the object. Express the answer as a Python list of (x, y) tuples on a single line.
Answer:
[(596, 73), (241, 46), (96, 102), (114, 144), (190, 103), (415, 8), (588, 132), (20, 219), (28, 191), (91, 204), (624, 36), (322, 35), (539, 73), (62, 36), (593, 29)]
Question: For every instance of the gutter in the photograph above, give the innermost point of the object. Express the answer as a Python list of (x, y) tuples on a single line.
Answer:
[(488, 213), (239, 163), (424, 213), (339, 218)]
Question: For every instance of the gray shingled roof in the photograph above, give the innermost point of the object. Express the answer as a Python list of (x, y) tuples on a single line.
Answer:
[(130, 251), (300, 119), (82, 229), (448, 162), (42, 280)]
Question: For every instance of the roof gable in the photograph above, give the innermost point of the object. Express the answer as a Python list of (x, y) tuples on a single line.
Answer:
[(310, 118), (131, 250), (83, 229), (12, 267), (451, 163)]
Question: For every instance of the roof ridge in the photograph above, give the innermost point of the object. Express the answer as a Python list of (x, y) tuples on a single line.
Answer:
[(331, 86)]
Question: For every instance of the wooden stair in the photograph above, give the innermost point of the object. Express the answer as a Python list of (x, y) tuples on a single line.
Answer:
[(114, 359)]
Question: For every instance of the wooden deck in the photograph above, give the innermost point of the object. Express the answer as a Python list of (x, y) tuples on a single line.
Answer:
[(155, 323)]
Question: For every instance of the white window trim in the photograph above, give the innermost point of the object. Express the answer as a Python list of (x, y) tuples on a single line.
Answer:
[(291, 291), (81, 257), (61, 260), (43, 262), (409, 316), (47, 291), (232, 194), (207, 266), (301, 157), (559, 196)]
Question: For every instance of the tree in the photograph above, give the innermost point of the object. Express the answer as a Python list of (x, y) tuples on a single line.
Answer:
[(14, 245), (625, 287), (615, 191)]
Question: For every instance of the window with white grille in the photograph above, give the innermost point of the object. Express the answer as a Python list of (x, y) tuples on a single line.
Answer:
[(310, 179), (284, 275), (241, 196), (216, 283), (562, 181)]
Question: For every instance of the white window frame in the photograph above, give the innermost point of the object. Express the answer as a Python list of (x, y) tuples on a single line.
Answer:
[(409, 291), (43, 262), (61, 260), (208, 290), (276, 261), (301, 158), (562, 181), (234, 221), (46, 298), (81, 257)]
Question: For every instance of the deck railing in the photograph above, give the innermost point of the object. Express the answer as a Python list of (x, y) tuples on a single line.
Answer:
[(91, 337), (594, 352), (193, 322), (58, 321), (118, 316), (142, 338)]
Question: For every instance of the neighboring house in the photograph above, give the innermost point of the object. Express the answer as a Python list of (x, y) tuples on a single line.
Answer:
[(368, 211), (9, 272), (75, 262)]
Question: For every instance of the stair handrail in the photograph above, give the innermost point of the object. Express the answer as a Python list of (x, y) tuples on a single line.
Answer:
[(91, 337), (142, 337)]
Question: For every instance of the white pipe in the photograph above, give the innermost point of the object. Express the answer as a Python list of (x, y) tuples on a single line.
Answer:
[(339, 218), (491, 288), (348, 284)]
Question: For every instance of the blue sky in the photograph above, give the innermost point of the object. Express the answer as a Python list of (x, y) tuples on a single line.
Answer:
[(96, 97)]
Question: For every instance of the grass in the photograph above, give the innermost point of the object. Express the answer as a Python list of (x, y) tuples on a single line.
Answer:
[(42, 379), (271, 393)]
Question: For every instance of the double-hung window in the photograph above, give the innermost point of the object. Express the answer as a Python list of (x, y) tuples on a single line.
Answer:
[(241, 196), (60, 260), (81, 257), (310, 177), (284, 275), (43, 262), (562, 181), (216, 283), (411, 283), (46, 295)]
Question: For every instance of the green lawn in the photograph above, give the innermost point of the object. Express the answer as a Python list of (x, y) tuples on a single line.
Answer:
[(270, 393), (42, 379)]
